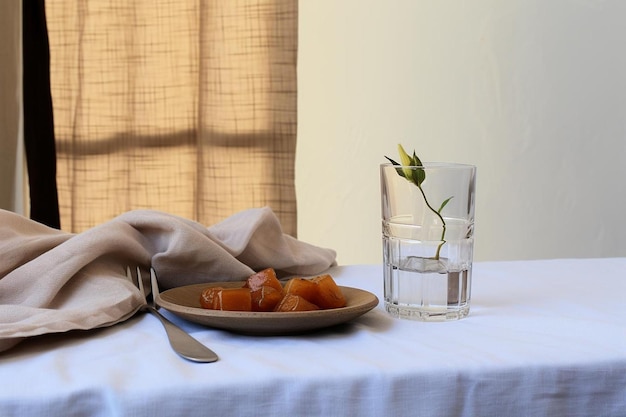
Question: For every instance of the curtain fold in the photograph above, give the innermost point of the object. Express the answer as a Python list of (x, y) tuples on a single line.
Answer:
[(39, 139), (185, 106)]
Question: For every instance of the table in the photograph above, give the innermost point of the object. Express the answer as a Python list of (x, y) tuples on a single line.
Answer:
[(544, 338)]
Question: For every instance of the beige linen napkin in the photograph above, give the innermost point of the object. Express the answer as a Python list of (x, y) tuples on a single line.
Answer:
[(52, 281)]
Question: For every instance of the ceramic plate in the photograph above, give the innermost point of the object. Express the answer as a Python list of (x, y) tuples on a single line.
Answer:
[(185, 302)]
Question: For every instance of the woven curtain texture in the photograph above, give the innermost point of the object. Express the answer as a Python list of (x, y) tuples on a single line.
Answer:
[(185, 106)]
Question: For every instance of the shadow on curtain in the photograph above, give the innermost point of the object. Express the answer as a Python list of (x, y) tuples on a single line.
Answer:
[(183, 106)]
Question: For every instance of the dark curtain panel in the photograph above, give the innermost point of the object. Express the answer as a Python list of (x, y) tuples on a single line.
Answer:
[(38, 118)]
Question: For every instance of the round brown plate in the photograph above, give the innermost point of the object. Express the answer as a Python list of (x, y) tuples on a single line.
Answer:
[(185, 302)]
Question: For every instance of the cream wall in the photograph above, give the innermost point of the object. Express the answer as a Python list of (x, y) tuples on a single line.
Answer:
[(533, 92)]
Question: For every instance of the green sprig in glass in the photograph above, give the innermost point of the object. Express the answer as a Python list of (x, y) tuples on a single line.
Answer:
[(417, 176)]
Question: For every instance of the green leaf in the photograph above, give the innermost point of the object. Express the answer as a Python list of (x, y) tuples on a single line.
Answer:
[(398, 170), (404, 157), (419, 175), (445, 202), (416, 160), (416, 176), (406, 162), (392, 161)]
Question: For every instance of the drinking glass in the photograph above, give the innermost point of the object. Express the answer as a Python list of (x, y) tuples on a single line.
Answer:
[(428, 240)]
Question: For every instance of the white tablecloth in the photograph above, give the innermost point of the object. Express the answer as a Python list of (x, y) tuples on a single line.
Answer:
[(544, 338)]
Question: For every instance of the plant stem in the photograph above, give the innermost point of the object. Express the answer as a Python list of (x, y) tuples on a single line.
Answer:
[(443, 222)]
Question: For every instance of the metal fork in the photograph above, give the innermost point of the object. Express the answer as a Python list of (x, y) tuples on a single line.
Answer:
[(182, 343)]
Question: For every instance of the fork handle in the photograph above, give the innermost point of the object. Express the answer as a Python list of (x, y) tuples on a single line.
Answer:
[(183, 343)]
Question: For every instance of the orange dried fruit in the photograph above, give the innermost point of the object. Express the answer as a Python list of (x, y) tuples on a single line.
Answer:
[(304, 288), (264, 278), (230, 299), (292, 302), (207, 297), (266, 298), (264, 292), (328, 294)]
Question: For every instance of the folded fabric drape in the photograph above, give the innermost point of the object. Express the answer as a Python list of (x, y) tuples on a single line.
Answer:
[(53, 281)]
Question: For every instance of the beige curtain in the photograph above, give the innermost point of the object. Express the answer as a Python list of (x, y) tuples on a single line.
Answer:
[(185, 106)]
